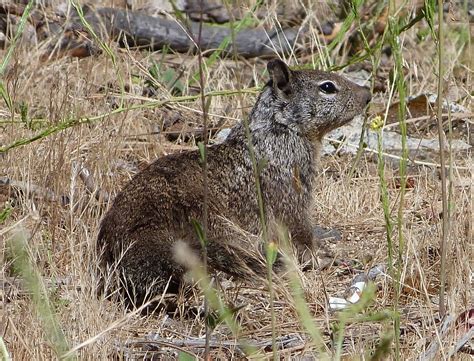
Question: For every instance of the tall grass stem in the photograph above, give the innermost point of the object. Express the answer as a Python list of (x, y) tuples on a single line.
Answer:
[(442, 161)]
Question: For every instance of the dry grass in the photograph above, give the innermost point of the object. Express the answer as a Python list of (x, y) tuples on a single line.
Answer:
[(62, 237)]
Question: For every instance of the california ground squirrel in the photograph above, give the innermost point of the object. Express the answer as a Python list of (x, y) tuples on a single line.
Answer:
[(294, 111)]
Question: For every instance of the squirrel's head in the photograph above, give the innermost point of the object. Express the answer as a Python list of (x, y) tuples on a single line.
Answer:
[(313, 102)]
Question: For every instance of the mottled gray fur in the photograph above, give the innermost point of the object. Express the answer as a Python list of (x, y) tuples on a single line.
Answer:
[(155, 209)]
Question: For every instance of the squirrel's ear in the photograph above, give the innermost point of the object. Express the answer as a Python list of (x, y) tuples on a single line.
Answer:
[(280, 75)]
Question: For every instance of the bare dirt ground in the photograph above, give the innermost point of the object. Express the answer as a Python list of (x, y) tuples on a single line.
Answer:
[(60, 212)]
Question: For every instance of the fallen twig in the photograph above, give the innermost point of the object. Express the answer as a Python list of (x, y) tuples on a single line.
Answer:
[(141, 30), (282, 343), (86, 176), (461, 344), (434, 345), (32, 190)]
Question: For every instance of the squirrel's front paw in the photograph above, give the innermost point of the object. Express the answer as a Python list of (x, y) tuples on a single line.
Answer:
[(316, 259), (321, 235)]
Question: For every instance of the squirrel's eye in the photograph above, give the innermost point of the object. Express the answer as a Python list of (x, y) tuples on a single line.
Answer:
[(328, 87)]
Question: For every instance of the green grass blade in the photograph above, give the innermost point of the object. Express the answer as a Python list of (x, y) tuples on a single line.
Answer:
[(25, 267)]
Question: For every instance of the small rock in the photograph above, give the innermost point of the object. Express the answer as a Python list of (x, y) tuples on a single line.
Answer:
[(222, 135)]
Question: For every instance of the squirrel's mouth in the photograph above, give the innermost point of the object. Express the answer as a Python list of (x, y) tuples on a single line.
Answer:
[(350, 116), (339, 123)]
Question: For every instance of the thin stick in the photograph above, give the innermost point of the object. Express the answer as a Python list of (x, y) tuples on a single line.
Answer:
[(442, 161), (208, 329), (85, 120)]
